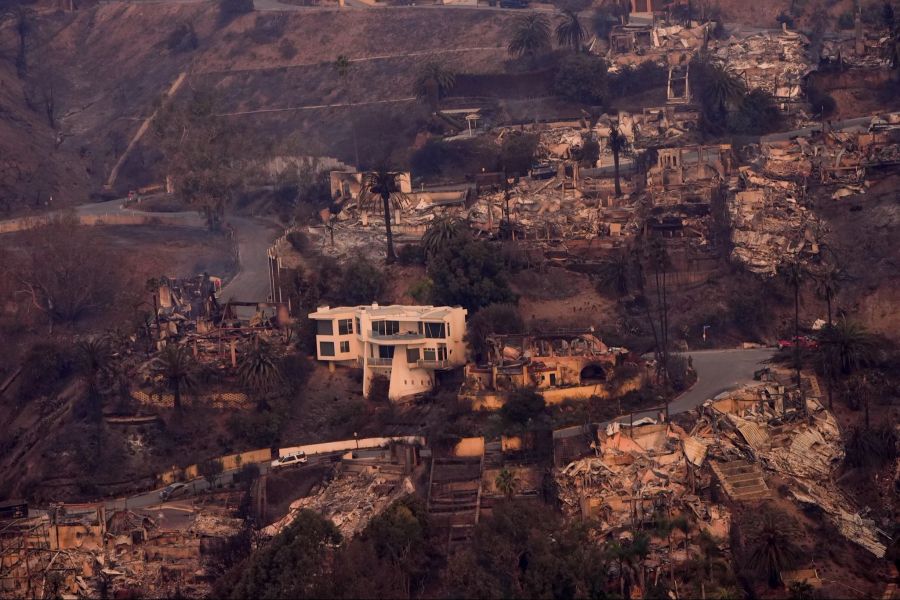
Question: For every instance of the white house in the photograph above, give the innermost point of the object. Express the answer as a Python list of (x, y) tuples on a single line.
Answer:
[(405, 344)]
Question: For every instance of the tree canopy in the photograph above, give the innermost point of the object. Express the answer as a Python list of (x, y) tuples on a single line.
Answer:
[(468, 273)]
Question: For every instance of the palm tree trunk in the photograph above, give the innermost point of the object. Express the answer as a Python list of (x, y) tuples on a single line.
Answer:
[(828, 301), (176, 396), (386, 199), (797, 340), (616, 172)]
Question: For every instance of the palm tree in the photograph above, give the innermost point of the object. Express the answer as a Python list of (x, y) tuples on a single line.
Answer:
[(794, 274), (719, 88), (152, 287), (618, 143), (434, 82), (507, 483), (259, 371), (383, 183), (23, 18), (94, 359), (441, 232), (178, 369), (342, 68), (615, 273), (570, 32), (772, 547), (828, 284), (848, 346), (531, 37)]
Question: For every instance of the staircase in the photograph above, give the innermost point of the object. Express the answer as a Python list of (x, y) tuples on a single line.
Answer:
[(742, 481)]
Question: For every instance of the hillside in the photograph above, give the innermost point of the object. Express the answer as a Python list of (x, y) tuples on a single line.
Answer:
[(113, 62)]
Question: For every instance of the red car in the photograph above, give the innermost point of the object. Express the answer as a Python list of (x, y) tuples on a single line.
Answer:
[(802, 341)]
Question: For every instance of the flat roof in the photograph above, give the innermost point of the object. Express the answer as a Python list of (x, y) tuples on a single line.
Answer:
[(393, 311)]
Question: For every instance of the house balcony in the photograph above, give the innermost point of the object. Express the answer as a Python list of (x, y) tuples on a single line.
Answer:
[(434, 364), (396, 337), (376, 362)]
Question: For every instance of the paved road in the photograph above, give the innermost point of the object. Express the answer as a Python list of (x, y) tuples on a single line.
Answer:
[(254, 236), (717, 371)]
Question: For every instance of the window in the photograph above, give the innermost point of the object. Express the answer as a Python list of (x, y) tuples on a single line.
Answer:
[(435, 330), (386, 327), (324, 327), (345, 326), (412, 355), (385, 352), (326, 348), (428, 353), (442, 352), (345, 347), (358, 328)]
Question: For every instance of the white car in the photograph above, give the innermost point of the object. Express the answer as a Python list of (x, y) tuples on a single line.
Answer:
[(290, 460)]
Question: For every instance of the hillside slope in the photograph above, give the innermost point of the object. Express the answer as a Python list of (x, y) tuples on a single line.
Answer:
[(113, 62)]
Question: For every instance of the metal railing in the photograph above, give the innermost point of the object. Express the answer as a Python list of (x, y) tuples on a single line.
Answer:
[(379, 362), (433, 364)]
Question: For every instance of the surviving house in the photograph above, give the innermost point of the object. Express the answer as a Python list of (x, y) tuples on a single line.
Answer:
[(405, 345)]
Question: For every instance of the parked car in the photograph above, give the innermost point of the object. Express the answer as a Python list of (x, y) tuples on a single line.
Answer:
[(804, 342), (290, 460), (173, 490)]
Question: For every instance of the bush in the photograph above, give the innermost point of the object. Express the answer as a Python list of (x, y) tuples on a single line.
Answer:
[(522, 406), (821, 104), (635, 80), (294, 369), (468, 273), (757, 114), (517, 152), (286, 49), (361, 283), (581, 78), (437, 158), (45, 366), (871, 448), (493, 319), (258, 429), (268, 28), (230, 9), (421, 291), (846, 20), (298, 241), (183, 38), (411, 254)]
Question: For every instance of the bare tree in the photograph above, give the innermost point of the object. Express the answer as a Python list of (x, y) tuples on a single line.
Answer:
[(66, 275)]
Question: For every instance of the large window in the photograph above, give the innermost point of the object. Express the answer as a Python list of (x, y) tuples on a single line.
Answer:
[(345, 347), (345, 326), (428, 354), (433, 330), (442, 352), (412, 355), (386, 327), (385, 352), (326, 348), (324, 327)]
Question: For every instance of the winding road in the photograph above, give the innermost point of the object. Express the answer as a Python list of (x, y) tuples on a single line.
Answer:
[(717, 371)]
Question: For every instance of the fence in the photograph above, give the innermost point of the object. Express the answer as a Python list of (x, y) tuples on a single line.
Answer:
[(229, 462), (365, 443)]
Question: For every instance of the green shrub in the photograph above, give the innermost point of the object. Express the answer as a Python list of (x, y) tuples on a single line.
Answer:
[(361, 283), (581, 78)]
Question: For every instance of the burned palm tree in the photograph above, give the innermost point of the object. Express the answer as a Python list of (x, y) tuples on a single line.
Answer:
[(531, 37), (178, 370), (441, 232), (434, 82), (259, 370), (618, 144), (570, 32), (384, 184)]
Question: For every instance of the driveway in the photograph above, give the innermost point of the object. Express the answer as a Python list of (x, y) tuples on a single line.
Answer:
[(717, 372)]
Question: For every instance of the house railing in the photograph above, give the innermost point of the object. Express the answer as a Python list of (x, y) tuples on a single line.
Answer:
[(433, 364)]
